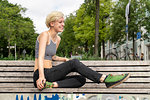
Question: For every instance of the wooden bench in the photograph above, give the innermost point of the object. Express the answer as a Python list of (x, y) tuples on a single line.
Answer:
[(16, 77)]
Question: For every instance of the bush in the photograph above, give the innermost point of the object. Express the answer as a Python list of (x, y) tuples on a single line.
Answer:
[(88, 56), (11, 57)]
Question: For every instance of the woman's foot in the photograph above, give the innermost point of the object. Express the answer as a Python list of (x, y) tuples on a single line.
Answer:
[(48, 85), (114, 80)]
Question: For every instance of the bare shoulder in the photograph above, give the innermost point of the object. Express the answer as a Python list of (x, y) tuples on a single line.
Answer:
[(59, 38), (43, 36)]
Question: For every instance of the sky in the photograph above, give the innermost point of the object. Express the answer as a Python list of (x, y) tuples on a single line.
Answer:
[(37, 10)]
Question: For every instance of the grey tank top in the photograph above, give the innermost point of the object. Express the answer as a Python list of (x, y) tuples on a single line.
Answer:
[(49, 51)]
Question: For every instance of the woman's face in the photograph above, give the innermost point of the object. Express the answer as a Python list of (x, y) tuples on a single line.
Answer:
[(59, 25)]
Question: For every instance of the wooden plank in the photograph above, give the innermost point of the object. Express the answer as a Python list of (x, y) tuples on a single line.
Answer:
[(134, 66), (16, 69), (18, 74), (121, 86), (133, 74), (87, 80), (130, 69), (88, 63), (82, 90), (16, 80), (30, 74), (87, 85), (16, 63), (138, 80), (141, 68), (111, 63), (16, 85), (75, 90)]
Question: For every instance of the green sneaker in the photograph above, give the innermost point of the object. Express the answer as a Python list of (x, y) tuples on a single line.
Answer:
[(48, 85), (114, 80)]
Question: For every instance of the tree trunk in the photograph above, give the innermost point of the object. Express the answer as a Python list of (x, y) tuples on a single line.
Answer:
[(19, 53), (9, 40), (103, 49), (86, 47), (133, 46), (96, 29), (9, 47)]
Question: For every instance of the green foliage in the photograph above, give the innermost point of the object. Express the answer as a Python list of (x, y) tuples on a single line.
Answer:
[(67, 38), (79, 31), (84, 27), (88, 56), (85, 22), (15, 29), (138, 18), (11, 57)]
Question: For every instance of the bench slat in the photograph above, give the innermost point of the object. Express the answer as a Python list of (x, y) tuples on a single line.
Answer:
[(132, 80), (123, 85), (88, 63), (30, 74), (18, 74), (131, 73), (16, 85), (144, 68), (134, 74), (87, 85), (16, 69), (74, 90), (16, 63), (31, 80), (16, 80), (112, 63)]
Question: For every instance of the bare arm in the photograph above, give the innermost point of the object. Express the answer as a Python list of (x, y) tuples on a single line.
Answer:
[(56, 57), (42, 46), (59, 58)]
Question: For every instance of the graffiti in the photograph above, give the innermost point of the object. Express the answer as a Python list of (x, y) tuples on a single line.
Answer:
[(81, 97), (54, 97)]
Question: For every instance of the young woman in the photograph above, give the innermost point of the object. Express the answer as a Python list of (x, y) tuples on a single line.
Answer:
[(45, 75)]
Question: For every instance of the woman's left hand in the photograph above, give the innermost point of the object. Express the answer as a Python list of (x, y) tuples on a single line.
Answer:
[(40, 83)]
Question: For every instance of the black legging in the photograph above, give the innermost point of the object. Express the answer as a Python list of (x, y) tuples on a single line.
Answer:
[(59, 72)]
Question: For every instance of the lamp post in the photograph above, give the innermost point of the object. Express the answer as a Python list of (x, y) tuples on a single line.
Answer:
[(127, 11)]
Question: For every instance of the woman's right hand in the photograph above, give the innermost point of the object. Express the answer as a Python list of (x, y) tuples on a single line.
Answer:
[(40, 83)]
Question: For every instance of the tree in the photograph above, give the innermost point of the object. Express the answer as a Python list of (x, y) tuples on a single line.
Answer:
[(85, 22), (79, 30), (84, 27), (97, 29), (15, 29), (138, 18), (68, 41)]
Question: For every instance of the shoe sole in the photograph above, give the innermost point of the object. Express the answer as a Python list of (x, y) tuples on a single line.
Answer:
[(120, 81)]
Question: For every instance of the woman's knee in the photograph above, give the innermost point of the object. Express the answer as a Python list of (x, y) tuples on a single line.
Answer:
[(82, 80), (75, 61)]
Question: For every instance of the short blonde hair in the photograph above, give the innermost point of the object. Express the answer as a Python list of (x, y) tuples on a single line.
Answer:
[(53, 16)]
